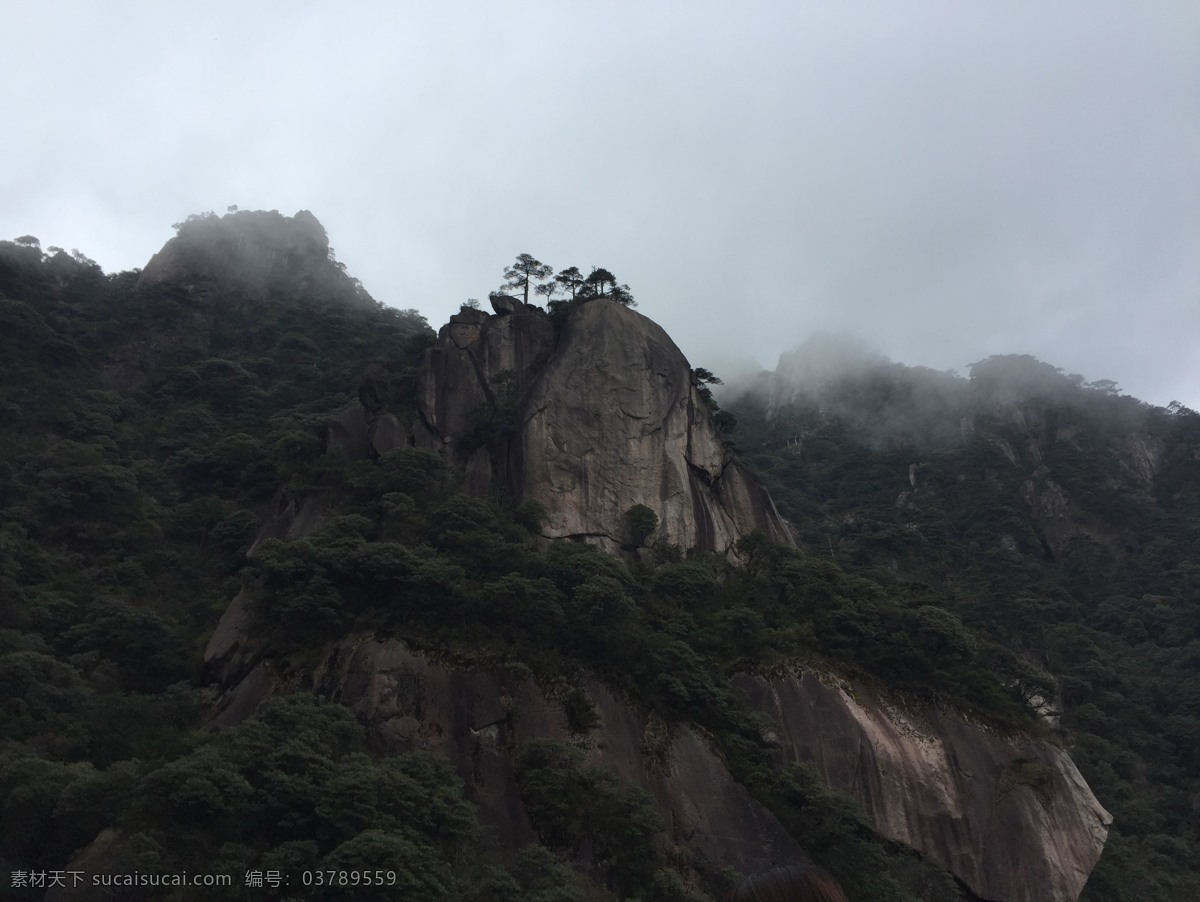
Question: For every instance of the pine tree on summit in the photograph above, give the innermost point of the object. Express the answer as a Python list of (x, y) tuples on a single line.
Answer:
[(594, 284), (570, 279), (601, 283), (525, 270)]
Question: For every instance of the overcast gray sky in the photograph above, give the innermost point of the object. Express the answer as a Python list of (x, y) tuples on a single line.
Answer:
[(946, 180)]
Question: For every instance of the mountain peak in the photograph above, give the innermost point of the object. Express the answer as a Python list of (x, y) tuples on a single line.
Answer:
[(592, 417), (253, 252)]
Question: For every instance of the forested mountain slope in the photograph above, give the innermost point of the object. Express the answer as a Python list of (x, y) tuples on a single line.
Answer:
[(1053, 516), (209, 429)]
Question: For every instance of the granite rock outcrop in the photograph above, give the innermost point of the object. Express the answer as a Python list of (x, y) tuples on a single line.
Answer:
[(1008, 814), (477, 715), (589, 417)]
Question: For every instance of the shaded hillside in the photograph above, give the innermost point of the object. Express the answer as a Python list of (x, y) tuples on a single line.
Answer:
[(1050, 515), (214, 429), (675, 640), (145, 426)]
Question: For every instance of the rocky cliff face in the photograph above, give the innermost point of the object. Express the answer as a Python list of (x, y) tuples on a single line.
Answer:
[(1008, 815), (477, 716), (589, 418), (1046, 447)]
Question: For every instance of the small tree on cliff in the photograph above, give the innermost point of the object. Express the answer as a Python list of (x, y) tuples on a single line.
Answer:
[(549, 290), (623, 295), (601, 283), (570, 279), (704, 378), (723, 420), (598, 280), (640, 523), (520, 274)]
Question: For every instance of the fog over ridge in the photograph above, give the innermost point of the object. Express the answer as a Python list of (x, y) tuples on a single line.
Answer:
[(947, 182)]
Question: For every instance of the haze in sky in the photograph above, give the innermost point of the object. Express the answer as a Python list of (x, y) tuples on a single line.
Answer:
[(945, 180)]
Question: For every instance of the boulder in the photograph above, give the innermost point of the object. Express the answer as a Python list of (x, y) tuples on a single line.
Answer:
[(504, 304)]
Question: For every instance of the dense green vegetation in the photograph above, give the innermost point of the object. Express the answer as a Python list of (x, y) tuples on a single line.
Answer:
[(1047, 516), (150, 430)]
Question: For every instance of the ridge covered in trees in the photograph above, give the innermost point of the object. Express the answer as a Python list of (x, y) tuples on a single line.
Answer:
[(1046, 515), (148, 428)]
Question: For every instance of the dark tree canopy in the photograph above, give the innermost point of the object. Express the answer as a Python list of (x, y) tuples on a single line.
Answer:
[(640, 523), (597, 281), (525, 270), (549, 290), (570, 279), (600, 283), (622, 294), (128, 508)]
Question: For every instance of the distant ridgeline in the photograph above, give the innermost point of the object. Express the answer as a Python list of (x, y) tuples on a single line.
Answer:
[(429, 669), (1052, 516), (263, 254)]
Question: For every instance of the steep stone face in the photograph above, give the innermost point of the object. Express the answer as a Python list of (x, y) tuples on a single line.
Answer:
[(601, 415), (1034, 441), (1008, 814), (590, 419), (473, 383), (476, 716), (1141, 456)]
